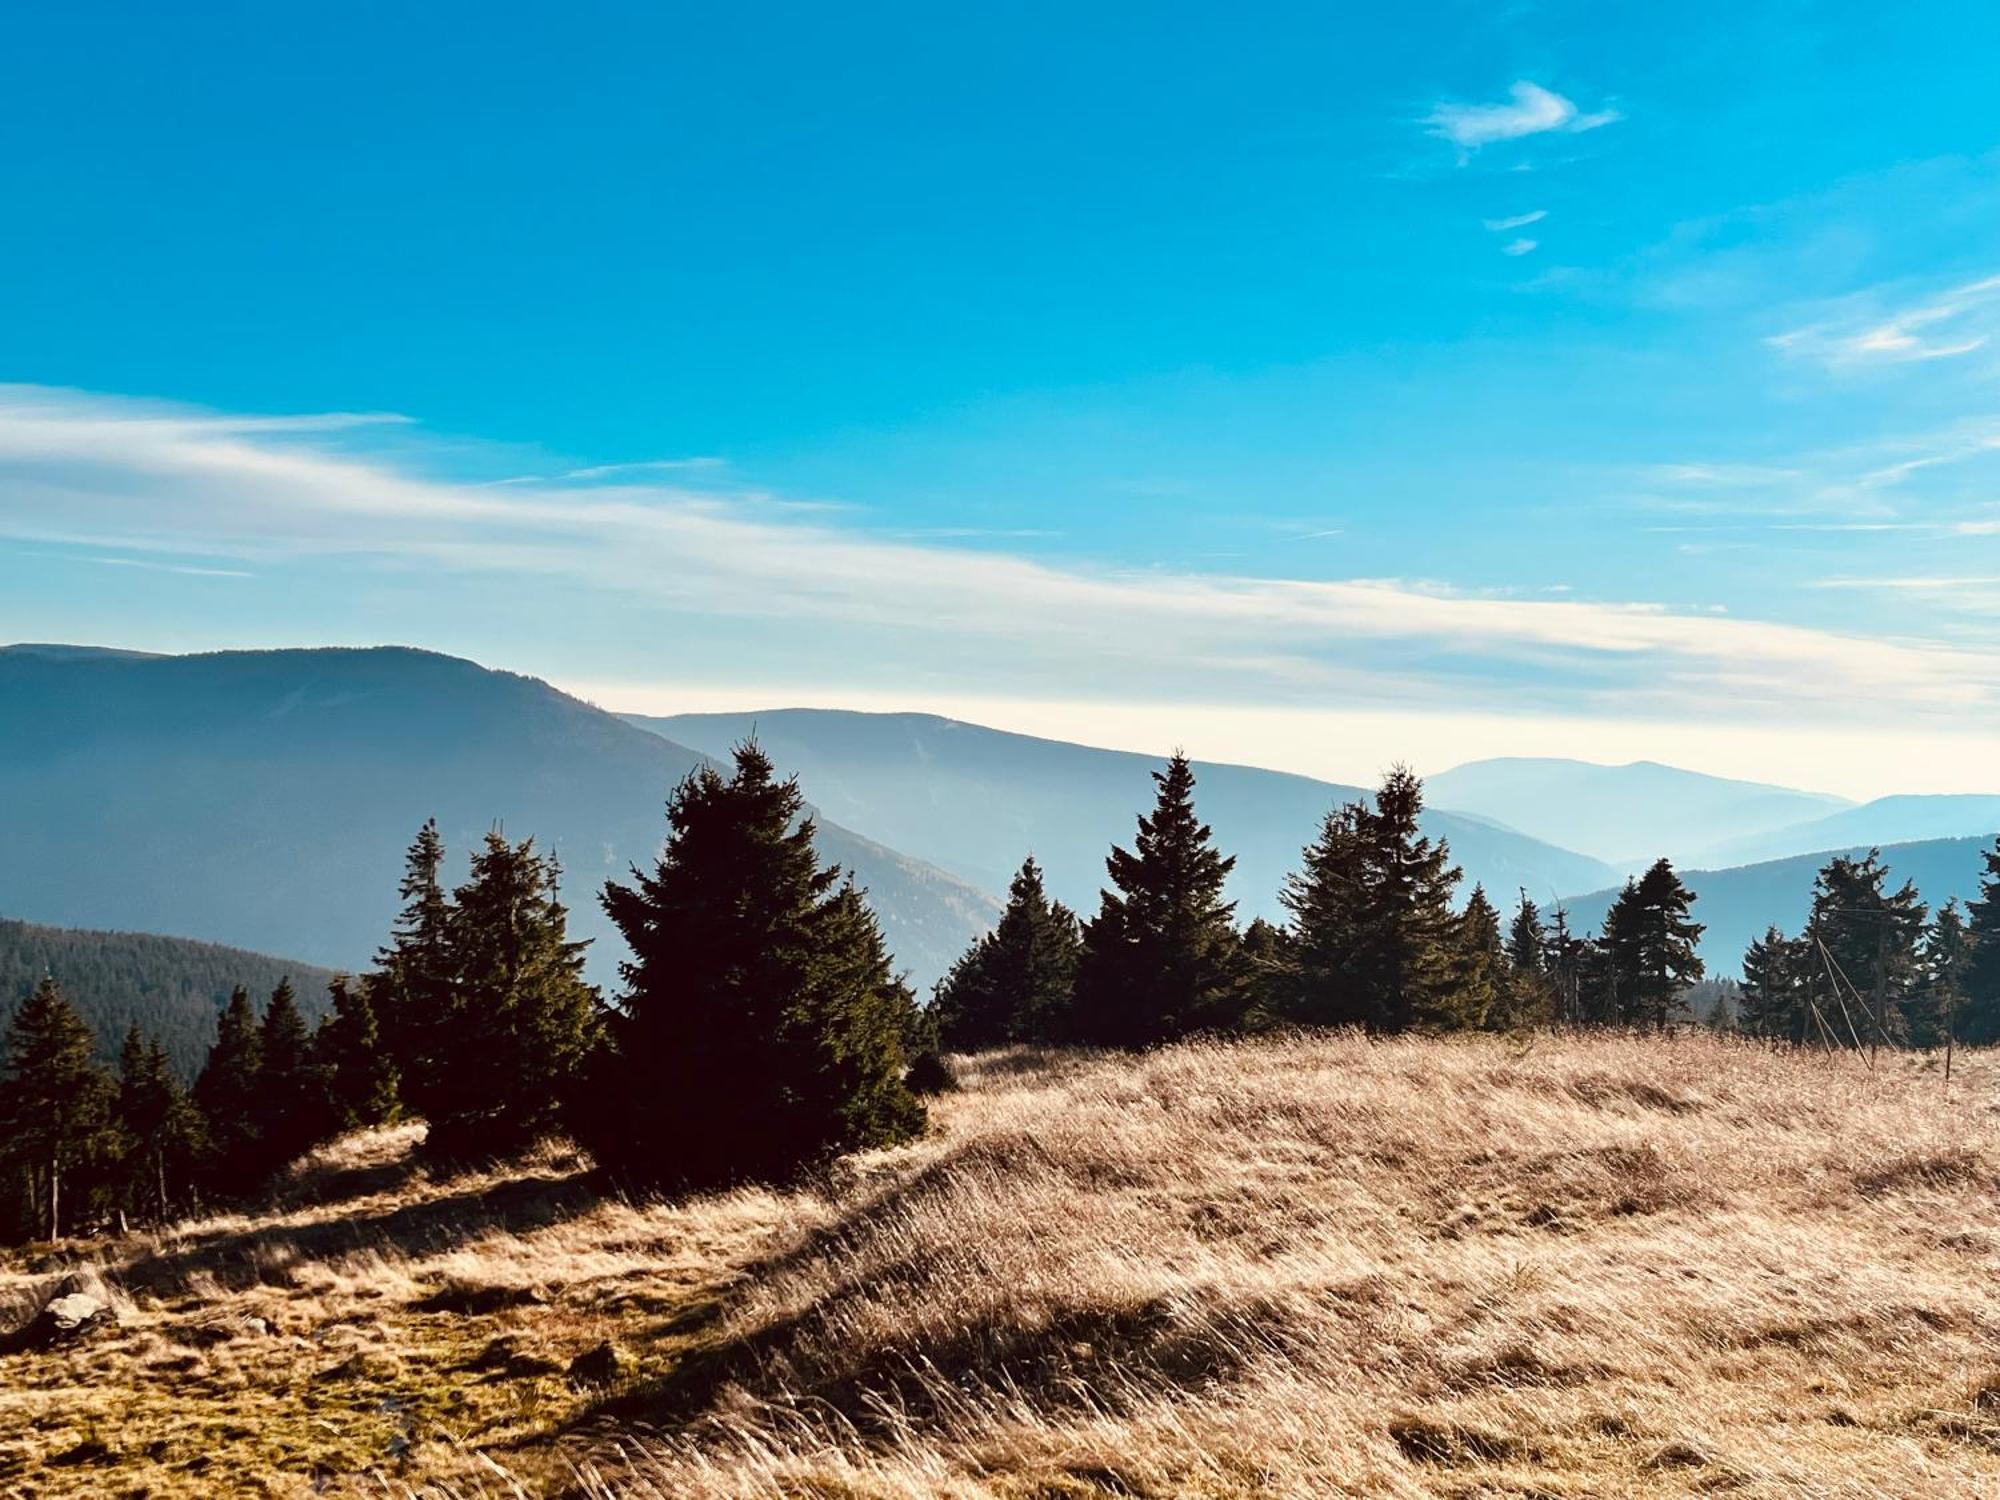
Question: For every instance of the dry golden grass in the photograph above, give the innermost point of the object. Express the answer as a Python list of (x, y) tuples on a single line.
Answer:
[(1568, 1267)]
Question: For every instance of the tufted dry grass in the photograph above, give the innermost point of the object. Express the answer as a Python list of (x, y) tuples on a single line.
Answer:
[(1470, 1267)]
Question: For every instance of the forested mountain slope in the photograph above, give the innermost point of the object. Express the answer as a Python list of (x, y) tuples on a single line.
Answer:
[(975, 800), (172, 987), (1738, 904), (265, 798)]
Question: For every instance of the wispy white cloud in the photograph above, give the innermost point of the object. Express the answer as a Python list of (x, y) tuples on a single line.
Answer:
[(1520, 246), (96, 471), (1516, 221), (1958, 321), (1530, 110)]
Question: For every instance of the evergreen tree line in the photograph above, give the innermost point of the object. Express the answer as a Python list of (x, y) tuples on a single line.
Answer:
[(83, 1146), (759, 1031), (1873, 966), (1372, 938)]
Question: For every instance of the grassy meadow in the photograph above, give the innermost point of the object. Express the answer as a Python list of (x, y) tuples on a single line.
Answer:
[(1557, 1266)]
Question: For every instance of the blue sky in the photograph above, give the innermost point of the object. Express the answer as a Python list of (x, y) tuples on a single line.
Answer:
[(1312, 385)]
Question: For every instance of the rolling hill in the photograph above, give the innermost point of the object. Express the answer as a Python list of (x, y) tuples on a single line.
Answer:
[(172, 987), (1886, 820), (264, 798), (1627, 815), (975, 800), (1737, 904)]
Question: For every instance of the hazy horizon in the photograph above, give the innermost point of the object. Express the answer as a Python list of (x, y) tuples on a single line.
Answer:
[(1333, 392)]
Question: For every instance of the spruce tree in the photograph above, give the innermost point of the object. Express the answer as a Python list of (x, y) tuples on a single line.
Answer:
[(1160, 959), (1650, 950), (291, 1095), (1016, 983), (1270, 974), (1933, 1011), (760, 1031), (1774, 994), (1480, 974), (1864, 940), (1406, 964), (1565, 957), (1979, 1022), (156, 1130), (1327, 901), (353, 1057), (417, 986), (1527, 999), (514, 1018), (55, 1110), (226, 1097)]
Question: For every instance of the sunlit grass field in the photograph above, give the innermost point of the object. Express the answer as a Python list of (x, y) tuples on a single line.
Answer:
[(1563, 1266)]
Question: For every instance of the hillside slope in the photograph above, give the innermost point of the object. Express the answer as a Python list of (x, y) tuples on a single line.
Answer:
[(1887, 820), (1586, 1267), (975, 800), (1629, 815), (1738, 904), (265, 798), (171, 987)]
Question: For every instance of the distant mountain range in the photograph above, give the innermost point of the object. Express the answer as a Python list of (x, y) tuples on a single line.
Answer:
[(1887, 820), (172, 987), (1737, 905), (1628, 815), (264, 798), (975, 801)]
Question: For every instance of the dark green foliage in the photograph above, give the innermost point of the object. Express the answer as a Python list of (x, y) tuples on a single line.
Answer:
[(1017, 982), (1528, 996), (1775, 999), (226, 1097), (158, 1134), (55, 1114), (417, 981), (515, 1020), (1980, 1021), (1270, 976), (1862, 963), (760, 1031), (1326, 899), (1481, 978), (1160, 958), (169, 988), (290, 1108), (1648, 952), (1405, 962), (1934, 1011), (1566, 960), (353, 1058)]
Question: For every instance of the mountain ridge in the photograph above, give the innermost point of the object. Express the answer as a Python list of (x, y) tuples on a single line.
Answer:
[(263, 799), (905, 777)]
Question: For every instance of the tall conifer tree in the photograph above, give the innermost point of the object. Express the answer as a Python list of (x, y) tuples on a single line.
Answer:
[(291, 1111), (1979, 1023), (760, 1030), (353, 1056), (1480, 980), (1326, 899), (227, 1098), (55, 1109), (1160, 958), (515, 1018), (156, 1129), (1407, 960), (1016, 983), (1650, 950)]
